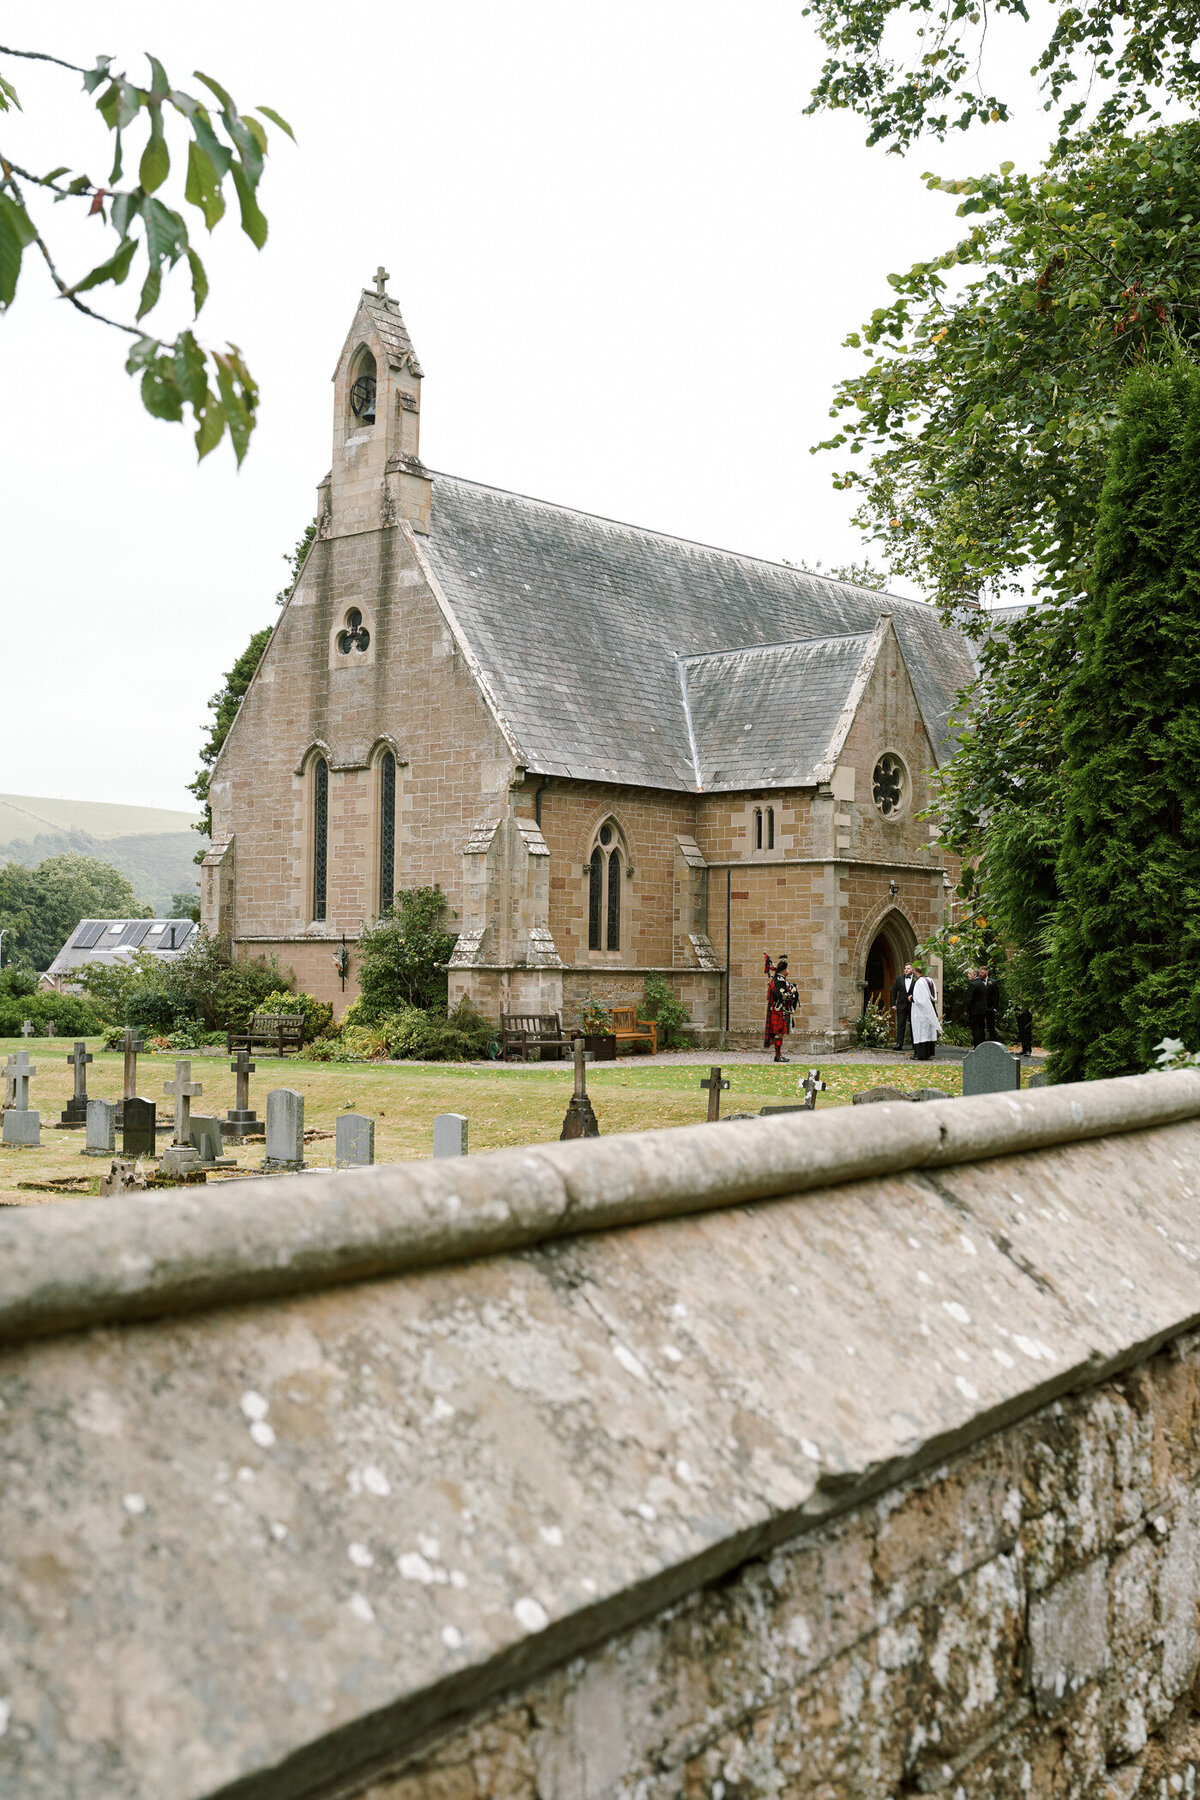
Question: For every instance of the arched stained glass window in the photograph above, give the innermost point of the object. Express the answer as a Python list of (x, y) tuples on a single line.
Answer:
[(614, 900), (595, 897), (387, 830), (320, 834)]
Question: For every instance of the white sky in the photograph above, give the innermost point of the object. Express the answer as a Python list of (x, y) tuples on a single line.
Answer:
[(626, 259)]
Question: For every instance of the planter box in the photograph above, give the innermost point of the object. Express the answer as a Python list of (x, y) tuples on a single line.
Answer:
[(603, 1046)]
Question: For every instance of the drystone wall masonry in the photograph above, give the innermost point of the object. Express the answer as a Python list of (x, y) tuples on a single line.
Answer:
[(851, 1455)]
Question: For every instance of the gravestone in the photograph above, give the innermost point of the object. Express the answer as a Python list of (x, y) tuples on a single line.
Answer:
[(10, 1083), (811, 1086), (768, 1112), (101, 1122), (205, 1135), (51, 1028), (716, 1086), (931, 1094), (580, 1121), (354, 1146), (27, 1029), (182, 1154), (1037, 1079), (877, 1095), (123, 1177), (450, 1135), (22, 1126), (989, 1069), (131, 1043), (285, 1130), (77, 1108), (241, 1121), (137, 1130)]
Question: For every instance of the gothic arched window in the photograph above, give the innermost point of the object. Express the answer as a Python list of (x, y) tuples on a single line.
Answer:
[(387, 830), (758, 841), (362, 391), (770, 828), (320, 834), (605, 874)]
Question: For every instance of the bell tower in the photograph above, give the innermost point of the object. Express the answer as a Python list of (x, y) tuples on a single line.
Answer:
[(377, 478)]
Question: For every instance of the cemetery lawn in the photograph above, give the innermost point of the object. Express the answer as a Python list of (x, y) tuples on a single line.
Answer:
[(505, 1104)]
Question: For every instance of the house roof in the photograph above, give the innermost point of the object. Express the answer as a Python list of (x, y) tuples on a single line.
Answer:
[(115, 940), (577, 623), (775, 715)]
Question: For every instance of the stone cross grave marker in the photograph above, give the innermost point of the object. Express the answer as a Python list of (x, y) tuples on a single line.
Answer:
[(811, 1086), (10, 1082), (580, 1120), (21, 1125), (285, 1130), (184, 1090), (241, 1117), (716, 1086), (138, 1122), (76, 1109), (51, 1028), (989, 1069), (27, 1029), (449, 1134), (131, 1044), (354, 1141), (101, 1137)]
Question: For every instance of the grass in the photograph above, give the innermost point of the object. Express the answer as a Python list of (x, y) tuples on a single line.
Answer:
[(505, 1105)]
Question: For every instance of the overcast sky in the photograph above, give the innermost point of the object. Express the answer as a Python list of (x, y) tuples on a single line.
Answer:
[(626, 259)]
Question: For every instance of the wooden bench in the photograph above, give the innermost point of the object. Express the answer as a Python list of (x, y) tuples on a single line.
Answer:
[(269, 1031), (627, 1028), (522, 1032)]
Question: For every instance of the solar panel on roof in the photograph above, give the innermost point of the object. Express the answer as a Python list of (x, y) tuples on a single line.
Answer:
[(89, 935), (134, 932)]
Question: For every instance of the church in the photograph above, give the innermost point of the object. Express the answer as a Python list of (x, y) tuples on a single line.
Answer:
[(617, 752)]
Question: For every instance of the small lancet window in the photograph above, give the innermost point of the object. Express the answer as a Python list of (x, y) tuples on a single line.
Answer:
[(320, 834), (770, 828), (614, 900), (362, 391), (758, 822), (387, 830), (595, 897)]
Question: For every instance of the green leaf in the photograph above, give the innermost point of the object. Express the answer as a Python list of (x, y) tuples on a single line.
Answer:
[(55, 173), (199, 280), (131, 99), (16, 231), (211, 428), (160, 396), (253, 222), (239, 414), (125, 209), (115, 269), (214, 87), (8, 96), (256, 131), (93, 77), (166, 233), (190, 378), (144, 351), (151, 289), (269, 113), (156, 158), (203, 187), (160, 87)]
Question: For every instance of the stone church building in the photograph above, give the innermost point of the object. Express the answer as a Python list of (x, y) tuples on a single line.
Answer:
[(616, 751)]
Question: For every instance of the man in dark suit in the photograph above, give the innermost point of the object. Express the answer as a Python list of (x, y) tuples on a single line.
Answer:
[(902, 989), (983, 1002)]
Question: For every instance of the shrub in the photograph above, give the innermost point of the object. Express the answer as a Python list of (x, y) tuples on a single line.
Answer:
[(659, 1003), (72, 1016), (595, 1020), (318, 1014), (402, 960), (17, 981), (874, 1031)]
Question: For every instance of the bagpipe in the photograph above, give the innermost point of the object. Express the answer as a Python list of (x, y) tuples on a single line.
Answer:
[(787, 995)]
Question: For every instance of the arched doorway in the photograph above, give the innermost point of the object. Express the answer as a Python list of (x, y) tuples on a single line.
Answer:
[(890, 948)]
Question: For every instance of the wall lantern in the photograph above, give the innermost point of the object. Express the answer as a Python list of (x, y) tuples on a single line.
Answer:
[(893, 889)]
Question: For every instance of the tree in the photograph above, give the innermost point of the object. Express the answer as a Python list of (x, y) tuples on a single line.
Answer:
[(42, 906), (222, 142), (1126, 54), (402, 959), (1126, 951)]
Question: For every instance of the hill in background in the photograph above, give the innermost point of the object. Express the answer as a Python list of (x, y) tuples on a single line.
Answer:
[(152, 846)]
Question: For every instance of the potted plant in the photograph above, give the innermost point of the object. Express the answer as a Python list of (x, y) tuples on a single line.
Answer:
[(596, 1026)]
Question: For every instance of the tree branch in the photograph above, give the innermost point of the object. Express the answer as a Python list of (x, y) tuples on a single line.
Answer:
[(41, 56)]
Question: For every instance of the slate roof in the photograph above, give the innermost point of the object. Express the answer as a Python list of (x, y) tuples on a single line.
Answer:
[(115, 940), (576, 624), (393, 332), (769, 717)]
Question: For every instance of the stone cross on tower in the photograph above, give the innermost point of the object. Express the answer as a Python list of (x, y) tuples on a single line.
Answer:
[(716, 1087), (21, 1073), (381, 280), (810, 1087), (185, 1090)]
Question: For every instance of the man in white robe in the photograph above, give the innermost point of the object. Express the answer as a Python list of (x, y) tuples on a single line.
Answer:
[(926, 1028)]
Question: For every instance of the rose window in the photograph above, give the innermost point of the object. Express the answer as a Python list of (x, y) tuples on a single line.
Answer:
[(888, 785)]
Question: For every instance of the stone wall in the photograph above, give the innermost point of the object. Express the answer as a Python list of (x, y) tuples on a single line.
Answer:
[(1019, 1621)]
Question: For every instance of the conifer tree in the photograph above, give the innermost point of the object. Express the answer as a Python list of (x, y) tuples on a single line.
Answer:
[(1125, 969)]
